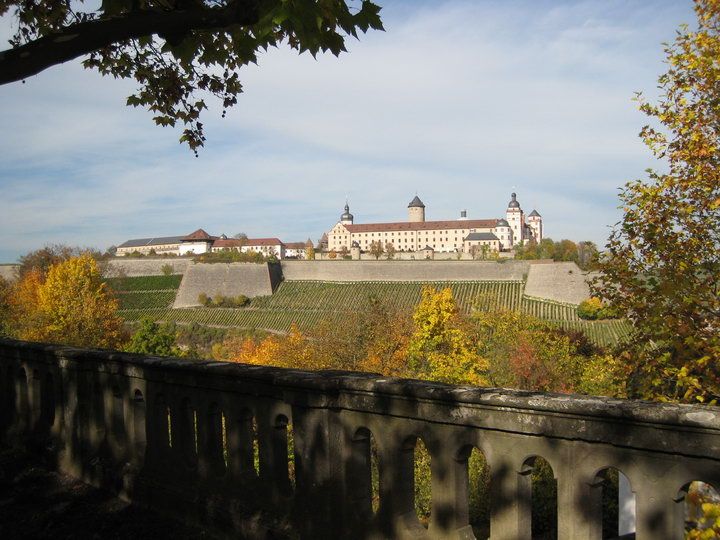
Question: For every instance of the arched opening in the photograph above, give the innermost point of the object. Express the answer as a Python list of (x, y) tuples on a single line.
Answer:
[(117, 415), (363, 476), (255, 445), (614, 504), (36, 399), (22, 406), (139, 425), (478, 493), (187, 433), (538, 473), (422, 482), (216, 443), (48, 403), (284, 455), (700, 510)]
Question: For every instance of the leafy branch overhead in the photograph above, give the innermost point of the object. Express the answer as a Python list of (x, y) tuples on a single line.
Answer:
[(178, 51)]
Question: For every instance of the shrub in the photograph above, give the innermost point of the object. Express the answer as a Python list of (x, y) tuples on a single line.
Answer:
[(167, 269), (594, 309), (203, 299), (590, 309)]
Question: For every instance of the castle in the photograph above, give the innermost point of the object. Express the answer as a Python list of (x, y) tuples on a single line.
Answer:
[(459, 235)]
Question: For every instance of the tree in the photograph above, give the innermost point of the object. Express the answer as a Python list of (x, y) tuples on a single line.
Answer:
[(242, 237), (72, 305), (662, 261), (441, 348), (376, 249), (390, 250), (587, 255), (310, 252), (152, 338), (42, 259), (175, 50)]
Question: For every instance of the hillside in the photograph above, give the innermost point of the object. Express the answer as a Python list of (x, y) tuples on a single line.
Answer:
[(306, 303)]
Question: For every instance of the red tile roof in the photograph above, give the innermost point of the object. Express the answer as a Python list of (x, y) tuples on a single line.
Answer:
[(295, 245), (423, 225), (198, 235), (227, 243), (263, 242)]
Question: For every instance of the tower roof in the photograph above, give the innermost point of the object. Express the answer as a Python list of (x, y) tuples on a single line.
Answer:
[(513, 202), (347, 216), (416, 203), (534, 213), (502, 223)]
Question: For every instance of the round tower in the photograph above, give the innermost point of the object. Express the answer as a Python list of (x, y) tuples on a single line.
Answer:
[(535, 221), (347, 217), (416, 211), (516, 219)]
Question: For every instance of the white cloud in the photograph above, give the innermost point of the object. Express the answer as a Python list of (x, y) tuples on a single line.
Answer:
[(461, 101)]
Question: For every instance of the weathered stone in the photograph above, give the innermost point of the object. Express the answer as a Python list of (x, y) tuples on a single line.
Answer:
[(209, 441)]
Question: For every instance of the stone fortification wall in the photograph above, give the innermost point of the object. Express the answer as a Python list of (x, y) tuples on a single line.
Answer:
[(225, 279), (561, 281), (403, 270), (7, 271), (179, 436), (145, 267)]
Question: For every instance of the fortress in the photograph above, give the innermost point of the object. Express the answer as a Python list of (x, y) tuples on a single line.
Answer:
[(460, 235)]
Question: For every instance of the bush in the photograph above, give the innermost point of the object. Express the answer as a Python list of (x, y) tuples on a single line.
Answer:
[(223, 301), (594, 309), (167, 269)]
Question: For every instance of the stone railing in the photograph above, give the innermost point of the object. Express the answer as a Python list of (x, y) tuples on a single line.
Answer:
[(208, 442)]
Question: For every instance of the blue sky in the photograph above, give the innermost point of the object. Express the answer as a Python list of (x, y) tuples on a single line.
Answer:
[(461, 102)]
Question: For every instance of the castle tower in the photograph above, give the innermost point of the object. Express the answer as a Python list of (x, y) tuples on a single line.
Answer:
[(535, 221), (416, 211), (516, 219), (347, 217), (504, 234)]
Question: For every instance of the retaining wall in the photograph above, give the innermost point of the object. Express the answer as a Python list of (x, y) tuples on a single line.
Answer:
[(208, 442), (145, 267), (403, 270), (226, 279), (561, 281)]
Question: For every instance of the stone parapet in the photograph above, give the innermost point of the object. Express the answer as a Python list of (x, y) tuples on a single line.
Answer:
[(208, 442)]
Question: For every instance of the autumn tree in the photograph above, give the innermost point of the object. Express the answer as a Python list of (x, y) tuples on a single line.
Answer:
[(662, 259), (376, 249), (176, 51), (310, 252), (5, 291), (71, 305), (390, 250), (42, 259), (441, 347)]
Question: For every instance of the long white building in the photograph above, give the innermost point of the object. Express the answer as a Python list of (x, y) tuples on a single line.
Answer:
[(458, 235)]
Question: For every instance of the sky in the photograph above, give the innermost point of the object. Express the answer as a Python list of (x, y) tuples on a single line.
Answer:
[(460, 102)]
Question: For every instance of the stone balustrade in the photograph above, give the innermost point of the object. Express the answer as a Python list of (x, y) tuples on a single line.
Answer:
[(208, 442)]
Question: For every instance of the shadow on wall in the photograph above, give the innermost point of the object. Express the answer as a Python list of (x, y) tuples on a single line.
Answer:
[(266, 452)]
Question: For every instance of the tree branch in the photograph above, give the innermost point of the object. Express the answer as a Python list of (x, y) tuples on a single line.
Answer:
[(83, 38)]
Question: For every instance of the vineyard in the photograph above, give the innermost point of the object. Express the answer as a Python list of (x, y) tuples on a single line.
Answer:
[(145, 293), (306, 303)]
